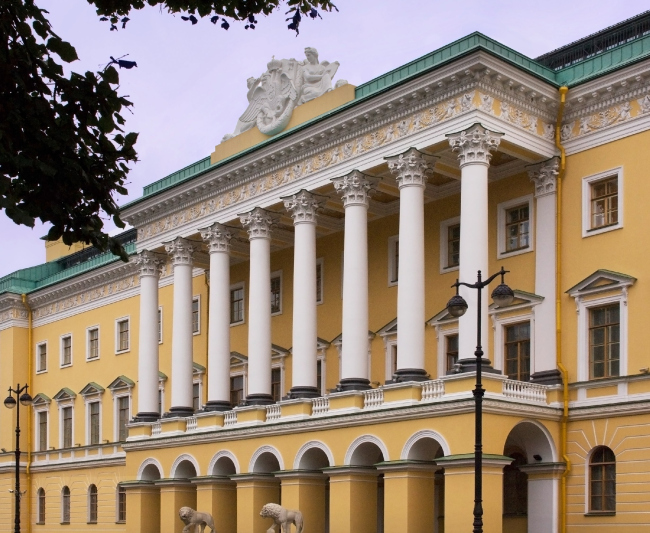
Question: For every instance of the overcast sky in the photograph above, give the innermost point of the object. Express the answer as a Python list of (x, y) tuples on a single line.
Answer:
[(190, 84)]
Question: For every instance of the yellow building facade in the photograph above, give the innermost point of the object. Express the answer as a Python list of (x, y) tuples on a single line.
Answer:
[(280, 333)]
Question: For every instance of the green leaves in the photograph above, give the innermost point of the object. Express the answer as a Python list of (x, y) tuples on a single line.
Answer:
[(110, 75), (63, 49)]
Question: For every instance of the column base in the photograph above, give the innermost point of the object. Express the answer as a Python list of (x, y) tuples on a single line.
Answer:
[(259, 399), (353, 384), (146, 417), (469, 365), (217, 405), (303, 392), (179, 411), (547, 377), (403, 375)]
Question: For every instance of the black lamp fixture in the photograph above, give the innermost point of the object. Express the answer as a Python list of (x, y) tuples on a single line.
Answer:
[(457, 307)]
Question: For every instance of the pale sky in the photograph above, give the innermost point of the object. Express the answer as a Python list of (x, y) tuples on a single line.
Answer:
[(190, 84)]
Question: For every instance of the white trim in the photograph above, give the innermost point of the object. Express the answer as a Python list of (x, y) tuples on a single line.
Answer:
[(197, 379), (64, 404), (265, 449), (424, 434), (117, 394), (390, 342), (93, 398), (310, 446), (361, 440), (502, 208), (323, 372), (244, 374), (320, 262), (179, 460), (118, 321), (240, 285), (499, 324), (61, 338), (274, 275), (196, 298), (586, 201), (444, 244), (393, 245), (88, 330), (88, 520), (219, 455), (62, 514), (38, 409), (587, 485), (280, 364), (161, 395), (161, 330), (441, 336), (145, 464), (37, 353)]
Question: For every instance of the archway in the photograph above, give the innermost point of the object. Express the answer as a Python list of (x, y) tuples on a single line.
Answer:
[(312, 458)]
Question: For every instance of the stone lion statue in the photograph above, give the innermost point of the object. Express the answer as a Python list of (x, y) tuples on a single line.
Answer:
[(194, 519), (282, 517)]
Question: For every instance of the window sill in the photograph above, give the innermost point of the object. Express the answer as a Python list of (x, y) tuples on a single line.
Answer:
[(65, 523), (91, 523), (91, 359), (601, 229), (39, 523), (232, 324), (66, 366), (601, 513), (123, 351), (120, 521), (512, 253)]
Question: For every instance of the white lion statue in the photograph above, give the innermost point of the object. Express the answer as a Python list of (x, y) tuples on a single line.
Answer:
[(193, 519), (282, 517)]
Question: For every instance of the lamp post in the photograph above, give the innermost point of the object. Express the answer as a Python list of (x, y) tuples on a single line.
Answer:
[(25, 399), (457, 306)]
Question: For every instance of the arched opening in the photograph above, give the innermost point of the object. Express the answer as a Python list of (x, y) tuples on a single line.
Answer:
[(224, 466), (266, 463), (92, 504), (369, 454), (41, 505), (185, 470), (150, 473), (315, 459), (65, 505)]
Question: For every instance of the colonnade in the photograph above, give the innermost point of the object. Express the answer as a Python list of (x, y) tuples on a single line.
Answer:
[(474, 146)]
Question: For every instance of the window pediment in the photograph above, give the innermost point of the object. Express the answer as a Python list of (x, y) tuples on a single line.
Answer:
[(522, 300), (41, 400), (601, 281), (92, 389), (237, 359), (65, 394), (388, 329), (121, 382)]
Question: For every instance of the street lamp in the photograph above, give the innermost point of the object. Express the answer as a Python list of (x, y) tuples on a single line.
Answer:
[(457, 306), (23, 399)]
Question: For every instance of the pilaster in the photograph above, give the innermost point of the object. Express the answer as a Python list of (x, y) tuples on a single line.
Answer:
[(305, 490), (253, 492), (174, 494), (217, 495), (143, 504), (353, 499)]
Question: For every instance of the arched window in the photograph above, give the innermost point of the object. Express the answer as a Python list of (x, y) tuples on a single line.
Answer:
[(40, 503), (515, 487), (602, 481), (65, 505), (92, 504), (121, 504)]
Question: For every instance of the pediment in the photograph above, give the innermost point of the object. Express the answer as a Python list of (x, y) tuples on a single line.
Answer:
[(600, 281), (197, 368), (237, 359), (65, 394), (388, 329), (338, 340), (522, 300), (442, 317), (162, 376), (41, 399), (278, 351), (121, 382), (92, 388)]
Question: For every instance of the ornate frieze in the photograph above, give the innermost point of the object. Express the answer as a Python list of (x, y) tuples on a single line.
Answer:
[(544, 176), (259, 223), (181, 251), (302, 206), (12, 311), (411, 168), (150, 263), (474, 144), (355, 188), (218, 237)]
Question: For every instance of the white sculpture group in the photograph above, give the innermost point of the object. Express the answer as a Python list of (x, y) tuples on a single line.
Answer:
[(286, 84), (281, 517)]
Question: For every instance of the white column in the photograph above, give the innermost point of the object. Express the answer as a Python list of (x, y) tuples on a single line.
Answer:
[(181, 251), (218, 238), (544, 366), (355, 190), (150, 265), (410, 169), (258, 222), (473, 146), (302, 207)]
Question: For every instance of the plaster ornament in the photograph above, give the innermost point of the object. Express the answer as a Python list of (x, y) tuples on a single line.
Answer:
[(286, 84), (181, 251), (355, 188), (474, 144), (544, 176), (150, 263), (282, 517), (302, 206), (259, 223), (193, 520), (411, 167)]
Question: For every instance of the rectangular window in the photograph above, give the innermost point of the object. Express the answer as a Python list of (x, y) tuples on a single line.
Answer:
[(319, 281), (160, 402), (42, 431), (451, 349), (604, 341), (196, 316), (93, 343), (122, 417), (67, 427), (393, 360), (93, 414), (237, 304), (236, 390), (160, 336), (517, 228), (517, 351), (41, 357), (604, 202), (276, 294), (393, 260), (453, 245), (122, 335), (66, 350), (276, 384), (121, 504), (196, 396), (319, 377)]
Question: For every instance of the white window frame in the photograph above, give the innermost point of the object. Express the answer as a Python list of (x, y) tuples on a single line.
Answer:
[(500, 324), (38, 409), (320, 263), (61, 405), (62, 513), (442, 335), (118, 321), (323, 373), (586, 201), (444, 244), (160, 324), (88, 330), (502, 208), (117, 394), (244, 374), (393, 243), (88, 520), (93, 398), (117, 505), (197, 379), (280, 365), (38, 356), (196, 298), (61, 364), (389, 344), (241, 285), (278, 274)]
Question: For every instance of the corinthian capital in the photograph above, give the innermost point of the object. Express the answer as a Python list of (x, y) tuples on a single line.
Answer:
[(218, 237), (411, 168), (355, 188), (474, 144), (544, 176), (150, 263), (259, 223), (181, 251), (302, 207)]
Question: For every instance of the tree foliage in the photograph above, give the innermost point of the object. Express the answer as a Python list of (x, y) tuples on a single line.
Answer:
[(63, 154)]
